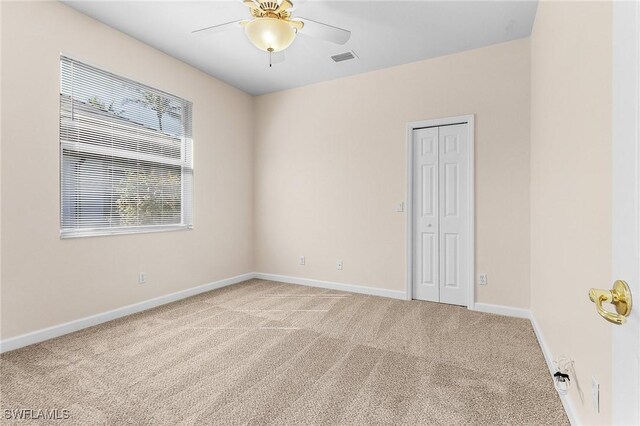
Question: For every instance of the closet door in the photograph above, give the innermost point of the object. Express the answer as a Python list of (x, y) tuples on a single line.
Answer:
[(454, 214), (426, 263)]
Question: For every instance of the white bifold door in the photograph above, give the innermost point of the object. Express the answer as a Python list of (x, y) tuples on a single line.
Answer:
[(441, 214)]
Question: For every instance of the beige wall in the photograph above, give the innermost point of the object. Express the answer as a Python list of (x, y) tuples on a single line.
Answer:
[(330, 164), (571, 102), (48, 281)]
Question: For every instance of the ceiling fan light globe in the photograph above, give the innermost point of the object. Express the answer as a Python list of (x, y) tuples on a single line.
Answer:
[(270, 33)]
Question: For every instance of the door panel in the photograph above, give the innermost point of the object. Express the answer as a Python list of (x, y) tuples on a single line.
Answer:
[(626, 209), (441, 214), (454, 214), (451, 261), (429, 190), (451, 142), (451, 189), (425, 215), (429, 252)]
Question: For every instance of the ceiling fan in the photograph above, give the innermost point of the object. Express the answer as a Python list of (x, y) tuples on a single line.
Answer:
[(272, 30)]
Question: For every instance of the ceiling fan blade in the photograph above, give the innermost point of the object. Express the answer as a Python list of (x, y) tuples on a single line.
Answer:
[(297, 4), (217, 28), (251, 3), (324, 31)]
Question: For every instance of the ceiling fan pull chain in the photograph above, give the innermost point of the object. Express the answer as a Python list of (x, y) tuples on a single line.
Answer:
[(270, 52)]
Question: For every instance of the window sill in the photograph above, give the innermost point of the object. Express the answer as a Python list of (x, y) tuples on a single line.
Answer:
[(100, 232)]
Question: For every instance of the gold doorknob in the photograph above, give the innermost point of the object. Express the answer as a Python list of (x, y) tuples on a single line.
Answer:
[(620, 296)]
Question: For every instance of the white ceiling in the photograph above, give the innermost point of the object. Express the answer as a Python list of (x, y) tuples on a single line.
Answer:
[(384, 34)]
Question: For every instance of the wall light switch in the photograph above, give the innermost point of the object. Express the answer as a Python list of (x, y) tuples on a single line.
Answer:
[(339, 265), (301, 260), (142, 278), (400, 206)]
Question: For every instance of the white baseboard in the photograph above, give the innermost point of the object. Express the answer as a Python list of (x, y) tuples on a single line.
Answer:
[(71, 326), (502, 310), (548, 357), (569, 409), (79, 324), (373, 291)]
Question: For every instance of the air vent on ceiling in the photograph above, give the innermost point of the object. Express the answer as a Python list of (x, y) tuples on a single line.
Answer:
[(346, 56)]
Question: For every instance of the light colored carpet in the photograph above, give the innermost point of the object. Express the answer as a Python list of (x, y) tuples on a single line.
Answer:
[(262, 352)]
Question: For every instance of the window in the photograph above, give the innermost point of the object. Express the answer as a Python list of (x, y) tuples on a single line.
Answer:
[(126, 160)]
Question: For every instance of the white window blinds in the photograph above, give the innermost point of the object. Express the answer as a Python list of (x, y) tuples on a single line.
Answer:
[(126, 155)]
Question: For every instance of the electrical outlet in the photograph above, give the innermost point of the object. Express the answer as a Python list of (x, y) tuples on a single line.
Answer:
[(595, 394), (301, 260), (339, 265), (482, 279), (142, 277)]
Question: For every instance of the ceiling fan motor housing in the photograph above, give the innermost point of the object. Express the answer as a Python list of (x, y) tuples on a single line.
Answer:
[(269, 5), (272, 9)]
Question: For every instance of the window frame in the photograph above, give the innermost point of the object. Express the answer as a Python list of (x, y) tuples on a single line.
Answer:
[(186, 151)]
